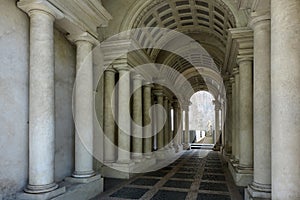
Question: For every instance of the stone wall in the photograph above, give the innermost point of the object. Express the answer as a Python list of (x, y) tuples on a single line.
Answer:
[(14, 78)]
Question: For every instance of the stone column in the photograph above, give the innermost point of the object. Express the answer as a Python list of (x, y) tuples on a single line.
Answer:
[(261, 186), (108, 119), (41, 100), (147, 124), (285, 98), (228, 121), (237, 113), (124, 110), (170, 131), (159, 118), (246, 114), (83, 106), (176, 123), (217, 121), (233, 119), (186, 129), (166, 126), (137, 115)]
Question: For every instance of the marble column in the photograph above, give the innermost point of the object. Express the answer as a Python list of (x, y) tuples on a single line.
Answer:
[(147, 123), (170, 131), (159, 118), (228, 122), (237, 114), (246, 114), (108, 119), (176, 123), (137, 115), (186, 129), (83, 106), (217, 121), (166, 126), (261, 186), (124, 110), (233, 119), (285, 99), (41, 103)]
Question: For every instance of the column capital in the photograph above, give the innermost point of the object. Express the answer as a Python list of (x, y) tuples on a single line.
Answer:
[(84, 36), (235, 71), (158, 92), (232, 80), (137, 76), (258, 18), (121, 65), (29, 6), (110, 69), (243, 59), (148, 84)]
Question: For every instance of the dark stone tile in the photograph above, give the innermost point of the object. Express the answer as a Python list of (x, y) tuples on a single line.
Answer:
[(213, 177), (213, 170), (168, 168), (183, 176), (168, 195), (129, 193), (188, 169), (178, 184), (112, 183), (202, 196), (213, 186), (156, 174), (145, 181)]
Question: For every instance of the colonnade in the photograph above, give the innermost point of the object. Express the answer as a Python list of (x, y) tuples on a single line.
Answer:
[(263, 97), (135, 132)]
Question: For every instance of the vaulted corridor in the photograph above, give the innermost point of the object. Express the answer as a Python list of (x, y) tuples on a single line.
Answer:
[(197, 174), (98, 91)]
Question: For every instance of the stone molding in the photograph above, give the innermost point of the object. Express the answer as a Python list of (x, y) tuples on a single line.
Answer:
[(30, 5)]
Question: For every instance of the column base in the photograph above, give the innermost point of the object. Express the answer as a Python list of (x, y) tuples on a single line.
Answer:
[(186, 146), (87, 174), (127, 170), (41, 196), (257, 191), (241, 177), (78, 191), (83, 180), (137, 157)]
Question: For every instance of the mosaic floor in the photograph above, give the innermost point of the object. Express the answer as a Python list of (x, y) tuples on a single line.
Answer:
[(196, 175)]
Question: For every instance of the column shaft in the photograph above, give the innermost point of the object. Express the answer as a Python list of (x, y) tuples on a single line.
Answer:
[(233, 121), (285, 98), (109, 120), (262, 106), (41, 104), (166, 126), (147, 115), (237, 116), (124, 122), (187, 129), (246, 114), (159, 122), (137, 112), (217, 124), (84, 108)]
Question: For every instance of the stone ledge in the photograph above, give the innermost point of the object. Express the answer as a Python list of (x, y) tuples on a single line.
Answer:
[(79, 191), (252, 194), (241, 177), (43, 196)]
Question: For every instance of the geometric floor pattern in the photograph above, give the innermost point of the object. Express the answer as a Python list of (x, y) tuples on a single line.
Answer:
[(191, 177)]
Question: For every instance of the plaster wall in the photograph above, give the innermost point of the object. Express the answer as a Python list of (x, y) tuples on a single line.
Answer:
[(14, 79)]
